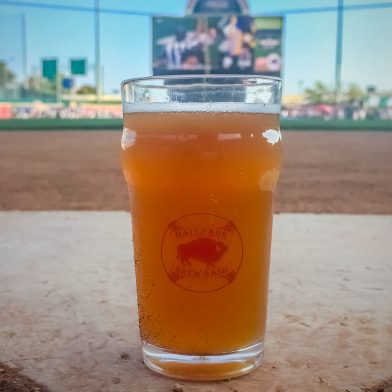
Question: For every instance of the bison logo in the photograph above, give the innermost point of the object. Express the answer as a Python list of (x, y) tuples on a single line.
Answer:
[(202, 252), (203, 249)]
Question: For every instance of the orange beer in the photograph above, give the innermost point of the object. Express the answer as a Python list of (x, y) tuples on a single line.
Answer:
[(201, 157), (201, 180)]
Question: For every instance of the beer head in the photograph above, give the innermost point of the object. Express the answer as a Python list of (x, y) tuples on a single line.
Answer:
[(209, 93)]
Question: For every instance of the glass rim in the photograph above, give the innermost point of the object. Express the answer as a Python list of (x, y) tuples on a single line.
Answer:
[(138, 82)]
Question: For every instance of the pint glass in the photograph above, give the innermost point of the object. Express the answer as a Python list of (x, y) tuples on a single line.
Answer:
[(201, 157)]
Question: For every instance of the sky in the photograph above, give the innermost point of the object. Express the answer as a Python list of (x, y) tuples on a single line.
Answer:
[(309, 40)]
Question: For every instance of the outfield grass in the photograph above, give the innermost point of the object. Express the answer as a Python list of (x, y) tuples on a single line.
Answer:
[(49, 124)]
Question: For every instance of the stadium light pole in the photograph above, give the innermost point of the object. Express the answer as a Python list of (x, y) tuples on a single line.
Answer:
[(97, 54), (24, 48), (339, 50)]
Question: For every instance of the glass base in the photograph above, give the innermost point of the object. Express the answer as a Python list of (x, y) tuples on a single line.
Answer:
[(203, 367)]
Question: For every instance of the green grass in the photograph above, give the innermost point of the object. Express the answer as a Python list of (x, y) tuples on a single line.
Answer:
[(336, 125), (50, 124)]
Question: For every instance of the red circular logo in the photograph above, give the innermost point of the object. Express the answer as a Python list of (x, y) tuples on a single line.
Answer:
[(202, 252)]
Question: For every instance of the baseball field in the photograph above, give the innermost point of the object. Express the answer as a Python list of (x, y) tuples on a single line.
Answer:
[(323, 172)]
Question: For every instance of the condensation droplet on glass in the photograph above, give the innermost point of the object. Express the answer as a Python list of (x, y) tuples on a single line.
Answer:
[(212, 199)]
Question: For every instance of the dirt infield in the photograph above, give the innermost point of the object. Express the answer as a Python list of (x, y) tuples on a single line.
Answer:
[(342, 172)]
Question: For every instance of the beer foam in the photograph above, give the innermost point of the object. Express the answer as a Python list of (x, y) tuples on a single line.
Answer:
[(201, 107)]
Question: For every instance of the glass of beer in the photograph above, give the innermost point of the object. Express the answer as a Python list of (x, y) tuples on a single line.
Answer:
[(201, 157)]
